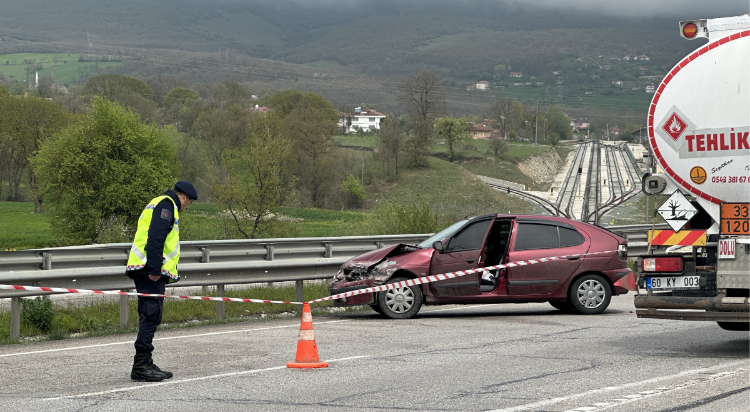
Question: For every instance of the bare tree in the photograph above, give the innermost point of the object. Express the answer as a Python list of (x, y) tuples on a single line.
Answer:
[(500, 112), (423, 100), (421, 95)]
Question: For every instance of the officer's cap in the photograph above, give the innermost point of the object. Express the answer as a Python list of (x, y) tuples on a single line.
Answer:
[(187, 188)]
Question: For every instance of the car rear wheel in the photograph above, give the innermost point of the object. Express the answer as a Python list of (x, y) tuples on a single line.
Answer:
[(400, 303), (590, 294), (564, 306)]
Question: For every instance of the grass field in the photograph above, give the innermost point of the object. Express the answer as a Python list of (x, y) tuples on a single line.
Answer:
[(21, 228), (63, 66), (636, 101)]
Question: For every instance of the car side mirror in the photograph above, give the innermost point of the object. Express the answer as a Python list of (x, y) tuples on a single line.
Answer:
[(438, 246)]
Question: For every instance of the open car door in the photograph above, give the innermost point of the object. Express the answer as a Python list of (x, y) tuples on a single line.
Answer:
[(461, 251)]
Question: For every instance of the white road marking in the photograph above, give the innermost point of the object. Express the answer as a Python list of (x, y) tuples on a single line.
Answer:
[(201, 378), (167, 338), (545, 402), (660, 391)]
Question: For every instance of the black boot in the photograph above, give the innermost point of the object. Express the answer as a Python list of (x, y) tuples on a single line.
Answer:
[(142, 370), (167, 374)]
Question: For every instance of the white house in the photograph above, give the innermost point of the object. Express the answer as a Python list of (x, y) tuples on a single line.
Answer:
[(365, 119)]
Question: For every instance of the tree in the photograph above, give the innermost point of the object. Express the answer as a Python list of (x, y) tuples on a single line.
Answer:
[(286, 101), (452, 131), (25, 123), (500, 112), (498, 146), (312, 130), (558, 122), (231, 90), (311, 123), (181, 96), (421, 95), (104, 168), (391, 141), (130, 92), (222, 128), (421, 131), (423, 99), (517, 116), (260, 177)]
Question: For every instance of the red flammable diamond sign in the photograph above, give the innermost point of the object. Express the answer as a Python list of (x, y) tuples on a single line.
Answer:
[(674, 126)]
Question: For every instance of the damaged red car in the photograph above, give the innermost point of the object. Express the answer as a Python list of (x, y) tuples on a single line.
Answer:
[(583, 281)]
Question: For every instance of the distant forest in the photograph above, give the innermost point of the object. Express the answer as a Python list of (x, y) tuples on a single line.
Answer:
[(358, 52)]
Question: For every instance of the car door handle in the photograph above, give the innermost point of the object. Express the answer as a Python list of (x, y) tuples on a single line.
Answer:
[(576, 257), (471, 260)]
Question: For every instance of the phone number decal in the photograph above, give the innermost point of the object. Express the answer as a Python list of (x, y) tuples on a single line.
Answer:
[(730, 179)]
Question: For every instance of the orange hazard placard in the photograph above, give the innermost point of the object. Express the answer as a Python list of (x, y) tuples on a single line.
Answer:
[(735, 218), (682, 238)]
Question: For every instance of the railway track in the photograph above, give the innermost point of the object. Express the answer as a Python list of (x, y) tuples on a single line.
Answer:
[(599, 178)]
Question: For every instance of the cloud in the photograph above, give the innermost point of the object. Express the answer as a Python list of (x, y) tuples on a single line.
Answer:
[(684, 9)]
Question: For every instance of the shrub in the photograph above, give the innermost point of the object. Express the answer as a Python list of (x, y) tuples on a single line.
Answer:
[(394, 218), (38, 312), (354, 191), (66, 323)]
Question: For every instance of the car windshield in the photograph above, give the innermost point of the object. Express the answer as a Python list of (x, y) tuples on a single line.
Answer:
[(439, 236)]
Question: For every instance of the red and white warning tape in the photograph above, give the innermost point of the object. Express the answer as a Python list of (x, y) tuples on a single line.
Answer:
[(449, 275), (381, 288), (115, 292)]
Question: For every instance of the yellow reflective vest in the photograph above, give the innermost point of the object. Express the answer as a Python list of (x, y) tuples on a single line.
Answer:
[(171, 255)]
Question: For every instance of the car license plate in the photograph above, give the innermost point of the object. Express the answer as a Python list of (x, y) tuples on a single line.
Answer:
[(673, 282)]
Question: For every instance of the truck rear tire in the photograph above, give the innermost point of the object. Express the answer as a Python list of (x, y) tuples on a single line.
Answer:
[(737, 326)]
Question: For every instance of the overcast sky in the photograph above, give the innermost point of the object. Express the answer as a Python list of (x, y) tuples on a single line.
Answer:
[(696, 8), (628, 8)]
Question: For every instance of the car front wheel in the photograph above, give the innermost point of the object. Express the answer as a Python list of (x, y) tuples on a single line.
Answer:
[(590, 294), (400, 303)]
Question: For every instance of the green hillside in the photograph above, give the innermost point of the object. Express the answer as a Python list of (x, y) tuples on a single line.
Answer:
[(64, 67)]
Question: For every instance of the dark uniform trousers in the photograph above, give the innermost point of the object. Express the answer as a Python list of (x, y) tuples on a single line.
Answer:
[(149, 310)]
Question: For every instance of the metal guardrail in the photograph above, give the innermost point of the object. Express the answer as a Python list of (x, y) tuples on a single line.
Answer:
[(204, 263)]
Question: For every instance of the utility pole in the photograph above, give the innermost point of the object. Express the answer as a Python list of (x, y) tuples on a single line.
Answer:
[(536, 120)]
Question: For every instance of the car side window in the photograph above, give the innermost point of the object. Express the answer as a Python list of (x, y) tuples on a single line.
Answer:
[(570, 237), (470, 238), (535, 236)]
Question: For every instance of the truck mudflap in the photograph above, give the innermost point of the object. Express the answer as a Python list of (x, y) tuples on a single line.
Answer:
[(719, 309)]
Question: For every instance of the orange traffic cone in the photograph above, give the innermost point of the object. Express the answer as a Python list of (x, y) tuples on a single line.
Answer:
[(307, 350)]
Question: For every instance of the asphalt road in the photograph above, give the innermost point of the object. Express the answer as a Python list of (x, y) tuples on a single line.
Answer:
[(449, 358)]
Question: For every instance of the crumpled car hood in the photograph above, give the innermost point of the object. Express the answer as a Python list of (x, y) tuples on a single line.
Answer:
[(372, 258), (381, 263)]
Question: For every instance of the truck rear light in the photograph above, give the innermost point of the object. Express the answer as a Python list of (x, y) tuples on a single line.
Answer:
[(690, 30), (662, 264)]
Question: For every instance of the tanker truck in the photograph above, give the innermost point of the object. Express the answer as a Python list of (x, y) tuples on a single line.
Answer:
[(698, 126)]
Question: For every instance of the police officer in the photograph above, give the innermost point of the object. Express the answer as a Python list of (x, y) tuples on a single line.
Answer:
[(152, 264)]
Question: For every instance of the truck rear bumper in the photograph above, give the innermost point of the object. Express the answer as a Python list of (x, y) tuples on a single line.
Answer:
[(722, 309)]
